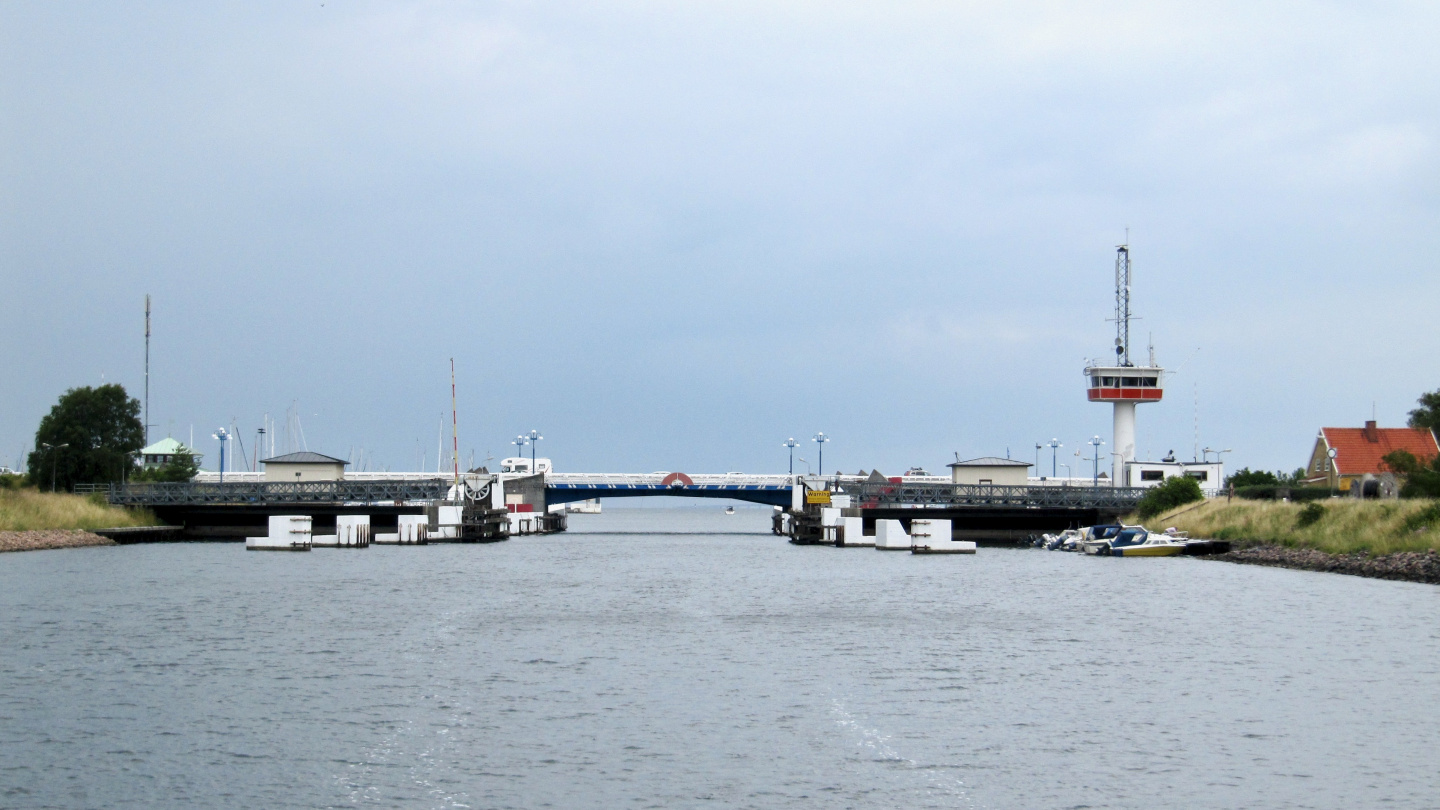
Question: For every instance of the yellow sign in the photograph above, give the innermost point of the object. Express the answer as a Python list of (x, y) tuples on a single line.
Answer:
[(817, 496)]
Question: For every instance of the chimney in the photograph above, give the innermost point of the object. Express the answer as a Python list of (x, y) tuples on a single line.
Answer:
[(1371, 434)]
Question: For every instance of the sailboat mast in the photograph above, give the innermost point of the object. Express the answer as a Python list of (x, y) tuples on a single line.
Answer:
[(454, 424)]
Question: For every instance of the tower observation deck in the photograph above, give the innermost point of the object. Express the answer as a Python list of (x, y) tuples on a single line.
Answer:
[(1124, 384)]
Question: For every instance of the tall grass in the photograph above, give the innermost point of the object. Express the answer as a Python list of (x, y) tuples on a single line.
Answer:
[(24, 510), (1344, 526)]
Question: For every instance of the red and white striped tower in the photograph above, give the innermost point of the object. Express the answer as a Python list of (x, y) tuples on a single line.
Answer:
[(1124, 384)]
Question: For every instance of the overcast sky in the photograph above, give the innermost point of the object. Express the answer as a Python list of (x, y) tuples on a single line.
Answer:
[(671, 235)]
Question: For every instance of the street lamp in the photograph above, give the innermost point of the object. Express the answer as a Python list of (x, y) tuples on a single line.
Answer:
[(222, 436), (820, 439), (806, 463), (1055, 445), (52, 448), (520, 442), (534, 437), (792, 444), (1096, 442), (1067, 474)]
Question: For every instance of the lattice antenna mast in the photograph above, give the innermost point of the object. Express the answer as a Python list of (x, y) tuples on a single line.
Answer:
[(1122, 304)]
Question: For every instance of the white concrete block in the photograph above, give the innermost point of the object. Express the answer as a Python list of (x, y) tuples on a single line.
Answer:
[(829, 516), (410, 530), (852, 532), (352, 531), (890, 536), (935, 537), (286, 533)]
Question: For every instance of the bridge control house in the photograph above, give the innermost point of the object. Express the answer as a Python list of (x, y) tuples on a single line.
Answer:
[(304, 466)]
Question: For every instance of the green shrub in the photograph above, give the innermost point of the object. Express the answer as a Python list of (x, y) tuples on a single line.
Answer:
[(14, 480), (1310, 515), (1423, 519), (1176, 491)]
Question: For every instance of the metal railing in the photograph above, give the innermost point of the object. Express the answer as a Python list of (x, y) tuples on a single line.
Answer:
[(654, 481), (250, 492), (873, 495)]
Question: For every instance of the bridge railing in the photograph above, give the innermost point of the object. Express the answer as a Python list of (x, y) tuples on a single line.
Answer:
[(276, 492), (656, 479), (880, 495)]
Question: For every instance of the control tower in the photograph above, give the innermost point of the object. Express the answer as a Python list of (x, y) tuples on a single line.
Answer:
[(1124, 383)]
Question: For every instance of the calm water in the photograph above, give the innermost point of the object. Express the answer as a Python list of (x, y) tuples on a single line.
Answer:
[(616, 666)]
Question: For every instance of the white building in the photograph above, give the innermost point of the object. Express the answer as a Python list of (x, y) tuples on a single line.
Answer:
[(1003, 472), (304, 466)]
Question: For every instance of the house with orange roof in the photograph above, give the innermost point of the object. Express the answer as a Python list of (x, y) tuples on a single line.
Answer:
[(1344, 455)]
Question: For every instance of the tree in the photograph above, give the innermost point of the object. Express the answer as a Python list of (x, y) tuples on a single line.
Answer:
[(93, 435), (181, 467), (1418, 480), (1245, 477), (1428, 414), (1176, 491)]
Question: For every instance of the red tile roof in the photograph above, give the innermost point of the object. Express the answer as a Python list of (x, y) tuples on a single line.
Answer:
[(1357, 454)]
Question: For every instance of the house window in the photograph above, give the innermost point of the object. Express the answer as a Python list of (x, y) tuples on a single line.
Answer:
[(1152, 475), (984, 481), (1198, 475)]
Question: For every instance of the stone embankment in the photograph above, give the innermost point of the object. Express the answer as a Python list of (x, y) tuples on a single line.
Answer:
[(1409, 566), (55, 538)]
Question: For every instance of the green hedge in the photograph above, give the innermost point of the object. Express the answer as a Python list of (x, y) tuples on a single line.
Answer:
[(1267, 492)]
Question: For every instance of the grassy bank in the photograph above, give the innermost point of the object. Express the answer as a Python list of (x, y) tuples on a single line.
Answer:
[(28, 510), (1339, 526)]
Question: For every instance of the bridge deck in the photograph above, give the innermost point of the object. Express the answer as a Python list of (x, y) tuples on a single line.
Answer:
[(766, 489)]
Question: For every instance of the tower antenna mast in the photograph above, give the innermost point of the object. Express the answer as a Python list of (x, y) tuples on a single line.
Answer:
[(147, 369), (1122, 302)]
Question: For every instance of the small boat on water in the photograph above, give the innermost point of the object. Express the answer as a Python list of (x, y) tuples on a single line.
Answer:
[(729, 510), (1138, 542)]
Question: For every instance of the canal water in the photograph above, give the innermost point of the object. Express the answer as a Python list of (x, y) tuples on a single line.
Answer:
[(688, 658)]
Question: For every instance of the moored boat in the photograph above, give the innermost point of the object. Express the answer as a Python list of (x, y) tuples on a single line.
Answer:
[(1138, 542)]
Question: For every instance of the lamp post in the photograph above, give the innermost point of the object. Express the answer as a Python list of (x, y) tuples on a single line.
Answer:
[(520, 442), (1067, 474), (52, 448), (806, 463), (1096, 442), (222, 436), (1055, 445), (820, 439), (534, 438), (792, 444)]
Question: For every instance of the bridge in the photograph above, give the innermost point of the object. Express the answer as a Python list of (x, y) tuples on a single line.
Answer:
[(210, 508), (774, 490)]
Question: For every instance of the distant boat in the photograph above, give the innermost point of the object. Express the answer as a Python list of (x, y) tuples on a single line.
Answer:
[(729, 510)]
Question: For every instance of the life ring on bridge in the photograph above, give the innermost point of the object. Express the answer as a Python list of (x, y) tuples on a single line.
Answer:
[(677, 481)]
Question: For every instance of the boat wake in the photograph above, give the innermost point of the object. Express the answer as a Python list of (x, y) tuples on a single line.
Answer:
[(877, 747)]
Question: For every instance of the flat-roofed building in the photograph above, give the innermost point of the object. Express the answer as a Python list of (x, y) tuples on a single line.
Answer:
[(1001, 472)]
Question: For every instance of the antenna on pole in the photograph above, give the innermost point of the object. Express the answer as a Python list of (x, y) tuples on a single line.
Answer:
[(147, 369), (1122, 301)]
